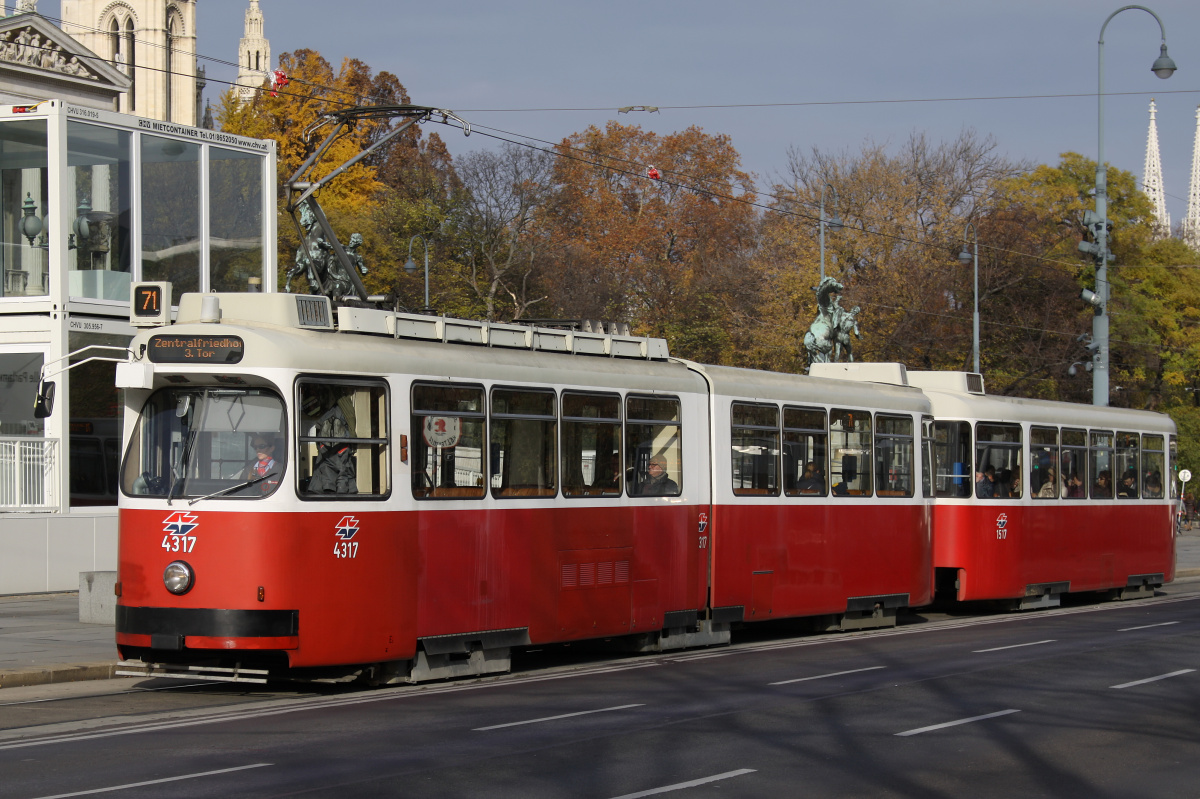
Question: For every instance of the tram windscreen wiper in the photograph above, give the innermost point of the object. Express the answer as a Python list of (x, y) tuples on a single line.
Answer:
[(181, 468), (233, 488)]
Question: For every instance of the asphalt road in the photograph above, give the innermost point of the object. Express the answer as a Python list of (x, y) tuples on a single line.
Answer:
[(1087, 701)]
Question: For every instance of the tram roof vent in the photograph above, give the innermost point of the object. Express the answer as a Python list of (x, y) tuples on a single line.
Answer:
[(890, 373), (958, 382), (496, 334), (284, 310)]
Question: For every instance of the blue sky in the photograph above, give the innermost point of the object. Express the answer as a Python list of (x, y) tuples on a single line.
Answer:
[(493, 61)]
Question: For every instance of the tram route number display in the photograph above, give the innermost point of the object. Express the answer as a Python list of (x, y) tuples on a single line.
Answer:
[(442, 431), (195, 349)]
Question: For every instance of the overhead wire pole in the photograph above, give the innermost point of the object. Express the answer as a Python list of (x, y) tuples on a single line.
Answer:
[(1163, 67)]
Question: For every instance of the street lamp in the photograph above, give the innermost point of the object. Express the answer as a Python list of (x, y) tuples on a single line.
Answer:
[(835, 223), (964, 258), (410, 265), (1097, 222)]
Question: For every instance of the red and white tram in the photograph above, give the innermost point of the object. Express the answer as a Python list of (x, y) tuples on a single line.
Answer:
[(408, 497), (1036, 498)]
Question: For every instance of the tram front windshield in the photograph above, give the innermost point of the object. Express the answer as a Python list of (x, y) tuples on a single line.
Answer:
[(214, 443)]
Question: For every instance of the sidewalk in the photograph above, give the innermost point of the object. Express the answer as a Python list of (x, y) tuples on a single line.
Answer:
[(42, 640)]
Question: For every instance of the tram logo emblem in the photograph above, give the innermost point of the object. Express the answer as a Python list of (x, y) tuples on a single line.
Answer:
[(1002, 521), (346, 528), (703, 522), (180, 523)]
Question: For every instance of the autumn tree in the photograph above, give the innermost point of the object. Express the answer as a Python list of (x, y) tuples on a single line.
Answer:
[(904, 216), (503, 245), (666, 253)]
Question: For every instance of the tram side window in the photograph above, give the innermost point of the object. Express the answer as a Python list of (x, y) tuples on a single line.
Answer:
[(1100, 454), (1074, 463), (1126, 464), (997, 461), (952, 456), (448, 425), (754, 441), (895, 457), (342, 445), (1045, 480), (805, 452), (1152, 467), (523, 456), (1173, 460), (927, 444), (850, 445), (591, 445), (653, 453)]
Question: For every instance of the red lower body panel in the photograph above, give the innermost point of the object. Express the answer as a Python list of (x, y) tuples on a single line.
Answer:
[(1000, 549), (799, 559)]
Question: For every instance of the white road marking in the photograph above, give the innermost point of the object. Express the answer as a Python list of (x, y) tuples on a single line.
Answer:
[(170, 719), (555, 718), (933, 727), (1148, 626), (1015, 646), (1153, 679), (823, 676), (154, 782), (679, 786)]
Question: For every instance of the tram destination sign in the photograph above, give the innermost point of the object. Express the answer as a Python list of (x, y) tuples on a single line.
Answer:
[(196, 349)]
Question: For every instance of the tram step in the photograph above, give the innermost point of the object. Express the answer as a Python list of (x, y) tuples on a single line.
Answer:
[(137, 668)]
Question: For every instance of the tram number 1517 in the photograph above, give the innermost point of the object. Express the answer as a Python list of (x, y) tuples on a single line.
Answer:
[(345, 549)]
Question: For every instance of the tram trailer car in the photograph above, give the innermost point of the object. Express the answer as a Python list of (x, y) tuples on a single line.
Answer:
[(817, 497), (1035, 499), (380, 499)]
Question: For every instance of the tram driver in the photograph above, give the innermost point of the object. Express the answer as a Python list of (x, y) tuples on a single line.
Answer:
[(264, 469)]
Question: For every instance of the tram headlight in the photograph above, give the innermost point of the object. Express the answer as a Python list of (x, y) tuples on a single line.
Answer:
[(178, 577)]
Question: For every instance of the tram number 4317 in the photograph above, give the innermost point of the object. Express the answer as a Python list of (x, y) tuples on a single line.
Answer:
[(345, 549), (179, 543)]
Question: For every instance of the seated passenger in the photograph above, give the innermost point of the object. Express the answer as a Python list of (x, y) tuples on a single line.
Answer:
[(1074, 486), (813, 481), (659, 484), (1128, 488), (1103, 486), (985, 482), (1049, 487)]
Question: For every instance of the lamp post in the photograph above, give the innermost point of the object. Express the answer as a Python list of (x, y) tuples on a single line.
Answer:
[(964, 258), (835, 223), (1097, 222), (411, 266)]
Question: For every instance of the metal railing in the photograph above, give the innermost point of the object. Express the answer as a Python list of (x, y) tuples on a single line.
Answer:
[(28, 473)]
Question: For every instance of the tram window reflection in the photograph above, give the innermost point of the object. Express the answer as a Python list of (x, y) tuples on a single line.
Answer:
[(653, 452), (895, 456), (1100, 452), (1152, 466), (343, 439), (754, 441), (805, 452), (997, 461), (523, 452), (198, 442), (1127, 463), (1046, 480), (952, 455), (850, 450), (448, 434), (591, 445)]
